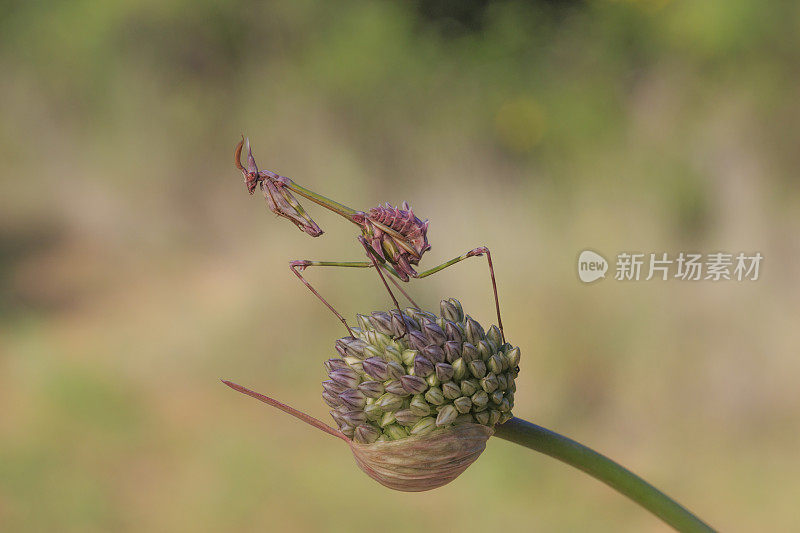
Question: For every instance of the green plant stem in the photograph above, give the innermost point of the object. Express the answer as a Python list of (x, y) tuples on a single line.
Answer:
[(601, 467)]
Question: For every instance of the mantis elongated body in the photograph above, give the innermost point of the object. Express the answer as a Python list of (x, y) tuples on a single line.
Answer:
[(393, 238)]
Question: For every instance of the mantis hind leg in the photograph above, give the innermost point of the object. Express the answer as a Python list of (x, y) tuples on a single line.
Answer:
[(298, 266), (476, 252)]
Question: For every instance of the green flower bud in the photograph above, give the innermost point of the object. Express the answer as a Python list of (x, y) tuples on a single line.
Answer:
[(451, 390), (459, 369), (494, 336), (419, 406), (373, 411), (424, 426), (395, 432), (477, 368), (480, 399), (463, 404), (395, 370), (372, 351), (446, 415), (469, 387), (433, 380), (408, 356), (473, 330), (494, 416), (505, 406), (363, 322), (489, 383), (354, 363), (459, 311), (387, 419), (513, 357), (484, 350), (434, 396), (469, 352), (496, 397), (497, 363), (391, 353), (390, 402)]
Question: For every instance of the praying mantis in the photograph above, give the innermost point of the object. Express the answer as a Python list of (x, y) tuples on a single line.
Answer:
[(393, 238)]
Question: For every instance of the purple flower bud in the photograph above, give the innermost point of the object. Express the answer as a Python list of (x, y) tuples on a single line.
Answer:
[(453, 333), (354, 418), (334, 364), (434, 353), (417, 340), (376, 368), (444, 371), (396, 388), (354, 399), (371, 389), (422, 366), (433, 332), (469, 352), (346, 377), (452, 351), (333, 387), (414, 384), (331, 399)]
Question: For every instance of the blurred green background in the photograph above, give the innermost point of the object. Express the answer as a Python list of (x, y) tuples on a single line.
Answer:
[(135, 271)]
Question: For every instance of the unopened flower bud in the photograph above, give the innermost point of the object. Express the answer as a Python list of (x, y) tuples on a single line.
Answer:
[(354, 417), (446, 415), (366, 434), (423, 426), (490, 384), (477, 368), (459, 369), (376, 368), (417, 340), (469, 387), (382, 322), (494, 335), (451, 390), (422, 366), (395, 387), (334, 364), (434, 396), (480, 399), (331, 399), (473, 330), (496, 397), (496, 363), (396, 432), (469, 352), (484, 350), (414, 384), (444, 371), (434, 353), (406, 417), (333, 387), (463, 404), (354, 399), (390, 402), (513, 357), (452, 351), (371, 389), (395, 370), (346, 377), (453, 333), (419, 406)]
